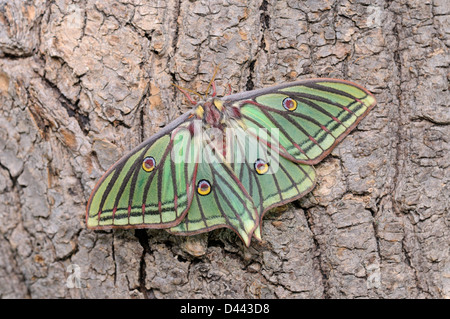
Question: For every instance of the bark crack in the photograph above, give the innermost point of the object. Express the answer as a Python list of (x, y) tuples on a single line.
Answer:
[(265, 24), (72, 109), (16, 188), (317, 255), (400, 151), (113, 255), (142, 236)]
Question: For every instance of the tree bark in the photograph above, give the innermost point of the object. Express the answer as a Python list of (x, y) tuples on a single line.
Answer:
[(83, 82)]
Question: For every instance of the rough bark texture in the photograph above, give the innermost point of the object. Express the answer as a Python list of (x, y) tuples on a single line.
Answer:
[(83, 81)]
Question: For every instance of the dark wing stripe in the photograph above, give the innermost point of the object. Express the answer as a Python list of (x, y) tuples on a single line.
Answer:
[(186, 173), (343, 109), (319, 140), (312, 120), (315, 97), (137, 210), (214, 172), (202, 213), (301, 151), (347, 116), (249, 172), (119, 190), (270, 117), (320, 87), (113, 181), (135, 171), (125, 180), (174, 183), (159, 181), (253, 176), (358, 106), (241, 172), (306, 174), (135, 175), (280, 193), (108, 189), (152, 176), (317, 107), (231, 188), (227, 201), (288, 117), (290, 178), (278, 187), (268, 144), (303, 116), (216, 198)]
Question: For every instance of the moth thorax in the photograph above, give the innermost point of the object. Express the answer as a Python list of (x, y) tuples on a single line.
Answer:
[(212, 115)]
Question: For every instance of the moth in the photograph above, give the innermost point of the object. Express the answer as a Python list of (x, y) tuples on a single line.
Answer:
[(229, 160)]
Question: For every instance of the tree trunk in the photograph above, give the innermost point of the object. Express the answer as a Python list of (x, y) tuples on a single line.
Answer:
[(83, 82)]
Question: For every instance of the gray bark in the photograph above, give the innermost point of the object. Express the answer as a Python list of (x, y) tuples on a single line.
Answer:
[(82, 82)]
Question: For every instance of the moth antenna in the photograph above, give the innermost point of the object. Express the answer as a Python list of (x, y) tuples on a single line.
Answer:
[(212, 82), (214, 88), (183, 90), (228, 89)]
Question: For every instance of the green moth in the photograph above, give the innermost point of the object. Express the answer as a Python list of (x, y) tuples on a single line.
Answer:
[(229, 160)]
